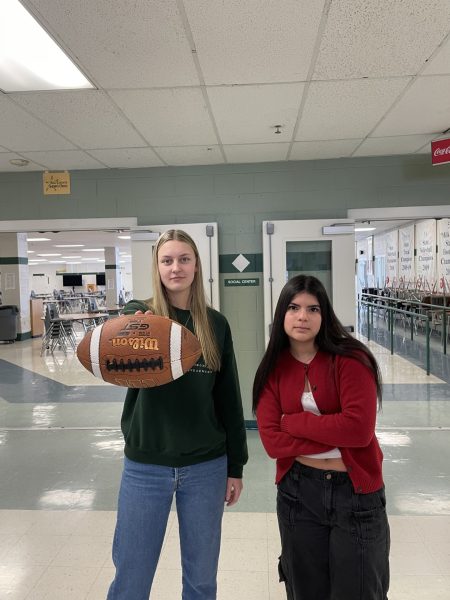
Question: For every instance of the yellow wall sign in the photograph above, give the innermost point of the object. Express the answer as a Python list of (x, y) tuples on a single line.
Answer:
[(56, 182)]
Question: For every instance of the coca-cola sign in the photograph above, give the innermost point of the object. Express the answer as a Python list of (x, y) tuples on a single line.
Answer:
[(440, 152)]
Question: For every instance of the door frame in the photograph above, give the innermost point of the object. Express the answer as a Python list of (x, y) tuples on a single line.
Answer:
[(342, 263)]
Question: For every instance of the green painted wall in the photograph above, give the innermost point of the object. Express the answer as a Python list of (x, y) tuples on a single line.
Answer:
[(238, 198)]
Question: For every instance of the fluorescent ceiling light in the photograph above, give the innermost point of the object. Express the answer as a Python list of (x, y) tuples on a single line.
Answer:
[(56, 262), (124, 237), (73, 263), (36, 260), (365, 228), (38, 240), (70, 257), (93, 250), (30, 59), (68, 245), (49, 254), (30, 251)]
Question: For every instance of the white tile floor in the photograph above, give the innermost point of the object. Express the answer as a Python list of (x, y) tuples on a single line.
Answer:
[(66, 554), (59, 555)]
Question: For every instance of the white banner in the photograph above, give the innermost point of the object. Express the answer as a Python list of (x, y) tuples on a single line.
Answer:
[(406, 255), (391, 258), (443, 262), (425, 234), (379, 251)]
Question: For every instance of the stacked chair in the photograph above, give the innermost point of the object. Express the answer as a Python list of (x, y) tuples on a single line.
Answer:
[(58, 334)]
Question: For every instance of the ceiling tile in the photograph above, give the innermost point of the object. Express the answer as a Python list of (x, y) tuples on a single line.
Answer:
[(425, 108), (247, 153), (328, 149), (191, 155), (175, 117), (277, 42), (440, 64), (21, 131), (88, 118), (134, 158), (346, 109), (128, 45), (62, 160), (405, 144), (248, 114), (364, 38)]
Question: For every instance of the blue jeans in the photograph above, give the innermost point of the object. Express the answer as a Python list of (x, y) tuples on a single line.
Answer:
[(145, 498)]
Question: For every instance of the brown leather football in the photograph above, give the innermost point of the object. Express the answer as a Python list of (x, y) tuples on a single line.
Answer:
[(139, 351)]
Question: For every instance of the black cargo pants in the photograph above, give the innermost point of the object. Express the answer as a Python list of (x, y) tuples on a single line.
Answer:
[(334, 543)]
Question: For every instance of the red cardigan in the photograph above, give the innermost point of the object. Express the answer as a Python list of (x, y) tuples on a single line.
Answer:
[(345, 392)]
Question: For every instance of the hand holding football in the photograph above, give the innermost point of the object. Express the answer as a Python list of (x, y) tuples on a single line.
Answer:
[(139, 351)]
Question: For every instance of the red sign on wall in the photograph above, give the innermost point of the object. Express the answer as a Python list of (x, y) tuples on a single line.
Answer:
[(440, 152)]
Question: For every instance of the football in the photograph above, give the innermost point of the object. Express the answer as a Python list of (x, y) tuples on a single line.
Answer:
[(139, 351)]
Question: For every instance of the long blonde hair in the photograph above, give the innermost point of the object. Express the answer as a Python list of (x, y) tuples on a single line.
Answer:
[(160, 302)]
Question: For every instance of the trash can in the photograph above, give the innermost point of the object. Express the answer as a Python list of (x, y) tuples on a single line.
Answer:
[(8, 322)]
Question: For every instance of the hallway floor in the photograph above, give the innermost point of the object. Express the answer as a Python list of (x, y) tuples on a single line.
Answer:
[(61, 459)]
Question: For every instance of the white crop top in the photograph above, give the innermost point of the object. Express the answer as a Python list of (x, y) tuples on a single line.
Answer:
[(309, 404)]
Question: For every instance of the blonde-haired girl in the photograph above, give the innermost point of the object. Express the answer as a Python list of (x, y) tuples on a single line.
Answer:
[(184, 440)]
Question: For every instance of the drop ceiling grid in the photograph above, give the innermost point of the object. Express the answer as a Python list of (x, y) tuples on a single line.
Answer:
[(244, 153), (191, 155), (128, 45), (254, 42), (116, 158), (168, 117), (257, 108), (405, 144), (364, 38), (144, 44), (103, 125), (20, 131), (346, 109), (62, 160), (323, 149), (440, 64), (425, 108)]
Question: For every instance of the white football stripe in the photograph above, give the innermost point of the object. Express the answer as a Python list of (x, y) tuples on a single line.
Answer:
[(175, 351), (94, 351)]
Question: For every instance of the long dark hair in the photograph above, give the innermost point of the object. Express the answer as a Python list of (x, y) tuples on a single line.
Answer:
[(332, 337)]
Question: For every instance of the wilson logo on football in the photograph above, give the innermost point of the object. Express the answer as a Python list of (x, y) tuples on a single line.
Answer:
[(143, 343)]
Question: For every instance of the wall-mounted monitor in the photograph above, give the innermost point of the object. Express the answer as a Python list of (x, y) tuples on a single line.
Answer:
[(72, 280), (100, 279)]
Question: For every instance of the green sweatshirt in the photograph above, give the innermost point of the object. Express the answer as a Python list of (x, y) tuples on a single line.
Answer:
[(195, 418)]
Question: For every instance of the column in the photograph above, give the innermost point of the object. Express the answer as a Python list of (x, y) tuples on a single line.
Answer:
[(14, 278), (113, 279)]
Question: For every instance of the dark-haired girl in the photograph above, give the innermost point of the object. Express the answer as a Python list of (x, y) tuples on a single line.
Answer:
[(315, 395)]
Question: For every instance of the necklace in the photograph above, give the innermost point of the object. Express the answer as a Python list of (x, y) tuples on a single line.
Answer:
[(187, 320)]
